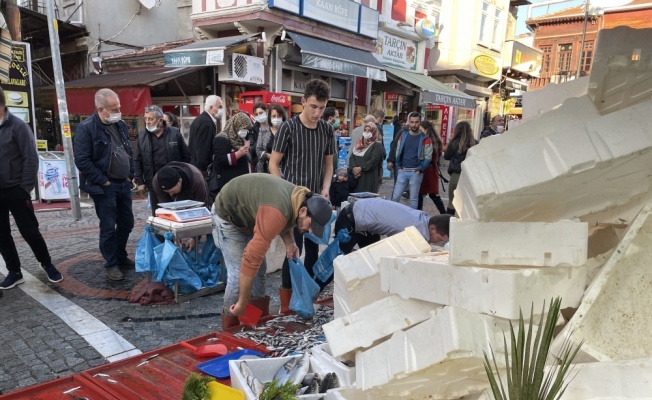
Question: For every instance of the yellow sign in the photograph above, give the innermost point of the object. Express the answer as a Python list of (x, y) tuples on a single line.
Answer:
[(42, 145), (66, 130), (486, 65)]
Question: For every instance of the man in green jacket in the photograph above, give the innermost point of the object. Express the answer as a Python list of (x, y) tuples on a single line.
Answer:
[(249, 212)]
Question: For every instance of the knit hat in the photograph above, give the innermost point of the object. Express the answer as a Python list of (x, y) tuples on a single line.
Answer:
[(341, 170), (321, 211), (168, 178)]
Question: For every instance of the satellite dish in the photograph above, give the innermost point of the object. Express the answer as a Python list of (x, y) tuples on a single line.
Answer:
[(149, 4)]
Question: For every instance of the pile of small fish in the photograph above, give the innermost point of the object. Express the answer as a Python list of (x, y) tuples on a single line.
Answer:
[(295, 371), (285, 335)]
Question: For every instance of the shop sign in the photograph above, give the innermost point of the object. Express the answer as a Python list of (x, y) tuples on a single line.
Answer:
[(390, 96), (41, 145), (426, 29), (18, 89), (341, 13), (293, 6), (194, 58), (396, 51), (485, 65), (202, 6), (368, 22), (525, 59)]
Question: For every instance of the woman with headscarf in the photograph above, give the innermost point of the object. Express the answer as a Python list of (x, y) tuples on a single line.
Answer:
[(366, 159), (230, 153)]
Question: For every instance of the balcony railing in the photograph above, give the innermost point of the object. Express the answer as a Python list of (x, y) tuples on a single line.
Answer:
[(37, 6)]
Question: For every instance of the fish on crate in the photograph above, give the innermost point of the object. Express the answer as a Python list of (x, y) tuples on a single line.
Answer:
[(254, 383)]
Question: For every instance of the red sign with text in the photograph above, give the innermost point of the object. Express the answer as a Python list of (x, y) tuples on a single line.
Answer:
[(389, 96), (248, 99)]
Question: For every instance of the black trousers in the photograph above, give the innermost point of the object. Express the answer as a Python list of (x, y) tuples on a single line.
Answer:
[(346, 220), (17, 201), (310, 258)]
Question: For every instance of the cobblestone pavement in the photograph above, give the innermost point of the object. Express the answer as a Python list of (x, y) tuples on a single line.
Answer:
[(38, 346)]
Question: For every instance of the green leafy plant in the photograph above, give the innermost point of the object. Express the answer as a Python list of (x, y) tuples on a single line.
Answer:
[(274, 391), (195, 387), (526, 376)]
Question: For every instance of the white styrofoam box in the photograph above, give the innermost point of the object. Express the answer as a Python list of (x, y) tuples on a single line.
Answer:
[(322, 355), (263, 369), (631, 379), (453, 333), (541, 101), (496, 291), (357, 282), (615, 317), (532, 244), (373, 322), (621, 74), (587, 170)]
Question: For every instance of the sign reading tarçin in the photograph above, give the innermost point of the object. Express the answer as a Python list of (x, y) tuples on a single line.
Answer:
[(395, 51)]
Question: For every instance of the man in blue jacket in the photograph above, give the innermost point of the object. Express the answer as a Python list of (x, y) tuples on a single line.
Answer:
[(104, 158), (18, 170)]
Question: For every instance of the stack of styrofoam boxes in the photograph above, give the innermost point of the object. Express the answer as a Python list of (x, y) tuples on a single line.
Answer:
[(357, 282), (506, 268)]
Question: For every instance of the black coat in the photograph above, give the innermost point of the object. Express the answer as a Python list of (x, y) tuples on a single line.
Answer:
[(143, 158), (225, 165), (202, 133)]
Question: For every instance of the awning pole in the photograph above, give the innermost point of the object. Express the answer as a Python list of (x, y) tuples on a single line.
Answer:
[(73, 185)]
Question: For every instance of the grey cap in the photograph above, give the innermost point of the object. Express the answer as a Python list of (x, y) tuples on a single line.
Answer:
[(321, 211)]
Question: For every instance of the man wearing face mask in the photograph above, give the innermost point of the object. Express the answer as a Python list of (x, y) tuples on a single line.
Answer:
[(103, 156), (332, 116), (231, 153), (496, 127), (202, 132), (157, 145)]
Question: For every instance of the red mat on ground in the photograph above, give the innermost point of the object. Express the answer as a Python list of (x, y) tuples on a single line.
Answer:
[(51, 206)]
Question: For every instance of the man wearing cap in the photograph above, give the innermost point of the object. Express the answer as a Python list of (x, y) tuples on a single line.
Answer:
[(179, 181), (250, 211)]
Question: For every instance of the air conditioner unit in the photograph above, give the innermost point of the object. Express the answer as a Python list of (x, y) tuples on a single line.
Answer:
[(242, 68)]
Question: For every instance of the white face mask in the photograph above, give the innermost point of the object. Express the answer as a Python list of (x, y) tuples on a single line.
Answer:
[(366, 135), (277, 121), (219, 114), (500, 129), (113, 118), (152, 128), (261, 119), (243, 133)]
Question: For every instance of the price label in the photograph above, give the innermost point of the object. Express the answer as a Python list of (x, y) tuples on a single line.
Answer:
[(66, 130)]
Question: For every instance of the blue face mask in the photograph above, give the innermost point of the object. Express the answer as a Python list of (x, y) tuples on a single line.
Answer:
[(325, 238)]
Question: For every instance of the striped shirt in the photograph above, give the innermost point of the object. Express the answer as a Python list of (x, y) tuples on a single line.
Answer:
[(303, 152)]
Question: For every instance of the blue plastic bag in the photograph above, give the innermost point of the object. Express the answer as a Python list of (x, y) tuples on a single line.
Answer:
[(174, 268), (326, 236), (145, 260), (323, 268), (208, 267), (304, 290)]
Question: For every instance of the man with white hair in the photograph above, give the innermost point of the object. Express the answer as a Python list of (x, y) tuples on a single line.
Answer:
[(104, 158), (202, 133)]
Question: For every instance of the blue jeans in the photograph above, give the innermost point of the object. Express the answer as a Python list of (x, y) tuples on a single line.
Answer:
[(232, 241), (113, 208), (404, 180)]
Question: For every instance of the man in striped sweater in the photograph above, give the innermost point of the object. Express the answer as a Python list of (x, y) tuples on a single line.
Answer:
[(303, 154)]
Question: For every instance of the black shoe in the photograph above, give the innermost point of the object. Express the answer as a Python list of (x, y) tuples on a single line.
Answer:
[(127, 263), (115, 274), (12, 279), (53, 275)]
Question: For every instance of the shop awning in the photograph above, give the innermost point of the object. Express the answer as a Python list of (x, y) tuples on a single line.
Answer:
[(327, 56), (432, 90), (131, 86), (203, 53)]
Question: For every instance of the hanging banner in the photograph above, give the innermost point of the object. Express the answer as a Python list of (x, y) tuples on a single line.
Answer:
[(18, 90)]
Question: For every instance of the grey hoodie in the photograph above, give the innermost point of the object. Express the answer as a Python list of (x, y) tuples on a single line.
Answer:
[(18, 157)]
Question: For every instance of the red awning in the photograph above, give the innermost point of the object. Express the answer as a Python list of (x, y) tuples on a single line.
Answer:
[(133, 100)]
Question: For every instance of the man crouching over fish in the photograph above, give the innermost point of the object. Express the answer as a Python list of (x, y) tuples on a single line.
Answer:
[(249, 212)]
